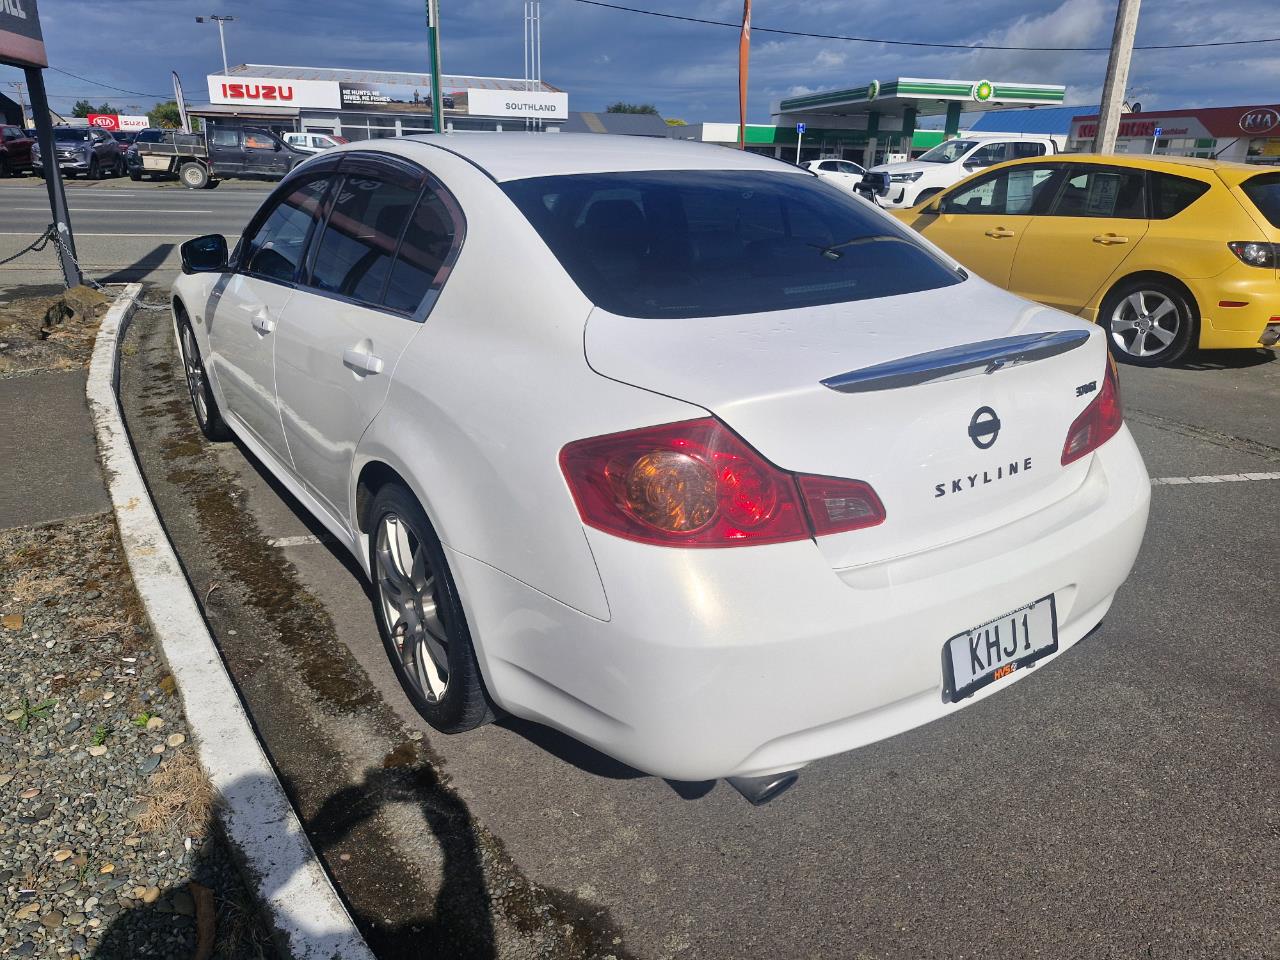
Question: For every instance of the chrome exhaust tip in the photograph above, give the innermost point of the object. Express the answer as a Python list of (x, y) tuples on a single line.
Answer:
[(760, 790), (1270, 334)]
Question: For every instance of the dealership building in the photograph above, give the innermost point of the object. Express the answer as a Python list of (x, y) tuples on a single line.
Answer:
[(1248, 134), (368, 104)]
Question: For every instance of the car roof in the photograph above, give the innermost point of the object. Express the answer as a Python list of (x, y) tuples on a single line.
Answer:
[(1155, 161), (520, 155)]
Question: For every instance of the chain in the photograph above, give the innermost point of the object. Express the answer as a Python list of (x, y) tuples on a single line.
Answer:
[(51, 235), (35, 246)]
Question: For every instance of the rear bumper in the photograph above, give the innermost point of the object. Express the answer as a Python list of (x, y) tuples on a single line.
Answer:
[(748, 661), (1231, 327)]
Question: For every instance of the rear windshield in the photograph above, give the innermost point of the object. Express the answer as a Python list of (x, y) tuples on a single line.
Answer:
[(1264, 191), (706, 243)]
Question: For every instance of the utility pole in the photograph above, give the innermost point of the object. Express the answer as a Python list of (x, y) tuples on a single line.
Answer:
[(222, 39), (1117, 76), (433, 39), (21, 87)]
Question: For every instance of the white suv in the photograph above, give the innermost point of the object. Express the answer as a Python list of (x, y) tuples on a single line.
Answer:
[(843, 173), (310, 142), (951, 161)]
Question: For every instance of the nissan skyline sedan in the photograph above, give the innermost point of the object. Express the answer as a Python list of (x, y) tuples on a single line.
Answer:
[(677, 449)]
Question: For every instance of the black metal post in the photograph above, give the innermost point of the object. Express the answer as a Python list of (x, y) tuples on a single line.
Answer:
[(53, 178)]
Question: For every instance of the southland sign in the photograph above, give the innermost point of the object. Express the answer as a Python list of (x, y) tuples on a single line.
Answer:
[(21, 42)]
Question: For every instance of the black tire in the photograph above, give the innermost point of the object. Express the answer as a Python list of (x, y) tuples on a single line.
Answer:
[(135, 176), (194, 176), (4, 168), (1149, 322), (119, 170), (95, 169), (463, 703), (203, 405)]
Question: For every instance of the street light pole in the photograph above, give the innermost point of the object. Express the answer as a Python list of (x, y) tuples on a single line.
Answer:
[(433, 38), (222, 38), (1117, 76), (22, 97)]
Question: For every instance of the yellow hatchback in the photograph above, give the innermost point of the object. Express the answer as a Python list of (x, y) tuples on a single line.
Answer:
[(1166, 252)]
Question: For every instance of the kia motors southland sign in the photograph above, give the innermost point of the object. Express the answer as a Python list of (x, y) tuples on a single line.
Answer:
[(273, 92), (21, 42), (116, 121)]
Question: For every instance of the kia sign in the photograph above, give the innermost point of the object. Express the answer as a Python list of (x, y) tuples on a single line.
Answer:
[(273, 92), (115, 121), (21, 43), (517, 103), (1262, 120)]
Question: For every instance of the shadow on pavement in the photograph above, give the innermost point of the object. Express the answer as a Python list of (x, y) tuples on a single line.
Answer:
[(1201, 360), (141, 268)]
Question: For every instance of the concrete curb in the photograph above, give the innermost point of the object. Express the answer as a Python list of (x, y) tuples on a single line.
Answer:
[(257, 815)]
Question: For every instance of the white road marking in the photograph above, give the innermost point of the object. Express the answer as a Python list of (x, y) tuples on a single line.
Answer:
[(301, 541), (106, 210), (79, 234), (1218, 478)]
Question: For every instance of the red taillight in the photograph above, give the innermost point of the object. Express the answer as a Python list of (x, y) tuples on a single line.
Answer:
[(1098, 422), (697, 484)]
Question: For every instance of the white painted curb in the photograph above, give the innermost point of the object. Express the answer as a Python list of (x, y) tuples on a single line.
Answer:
[(257, 814)]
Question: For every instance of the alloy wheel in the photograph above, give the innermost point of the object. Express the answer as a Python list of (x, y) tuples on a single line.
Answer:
[(407, 592), (195, 375), (1145, 323)]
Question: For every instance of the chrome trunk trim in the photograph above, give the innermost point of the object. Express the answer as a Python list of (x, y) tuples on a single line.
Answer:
[(966, 360)]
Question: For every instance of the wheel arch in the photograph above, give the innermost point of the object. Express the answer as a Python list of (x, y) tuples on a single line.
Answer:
[(1158, 275), (373, 476)]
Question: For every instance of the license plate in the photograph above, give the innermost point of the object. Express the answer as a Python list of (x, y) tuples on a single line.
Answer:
[(972, 659)]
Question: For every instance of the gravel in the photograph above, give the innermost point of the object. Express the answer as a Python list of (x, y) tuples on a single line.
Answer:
[(106, 831)]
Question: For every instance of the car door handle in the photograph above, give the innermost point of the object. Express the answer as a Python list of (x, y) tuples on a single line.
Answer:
[(1107, 239), (362, 362), (1000, 233), (263, 323)]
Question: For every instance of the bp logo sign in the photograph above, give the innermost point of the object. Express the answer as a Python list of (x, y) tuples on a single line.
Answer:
[(982, 91), (873, 89)]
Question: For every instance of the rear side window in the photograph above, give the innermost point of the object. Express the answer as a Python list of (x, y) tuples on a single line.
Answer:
[(1027, 148), (1171, 195), (276, 248), (1264, 192), (353, 257), (221, 137), (1102, 192), (699, 243), (423, 252)]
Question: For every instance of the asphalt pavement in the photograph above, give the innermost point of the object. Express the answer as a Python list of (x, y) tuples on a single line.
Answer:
[(1117, 803)]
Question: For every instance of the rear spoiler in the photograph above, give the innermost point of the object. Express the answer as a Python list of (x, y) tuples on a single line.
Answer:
[(952, 363)]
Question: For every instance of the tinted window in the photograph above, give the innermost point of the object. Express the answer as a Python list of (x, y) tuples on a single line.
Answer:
[(257, 140), (426, 244), (1102, 192), (353, 257), (277, 247), (710, 243), (1171, 195), (1017, 191), (1264, 191), (987, 155), (1025, 149), (221, 137), (154, 136)]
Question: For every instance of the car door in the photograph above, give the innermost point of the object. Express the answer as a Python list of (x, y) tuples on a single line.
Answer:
[(1094, 222), (387, 233), (981, 222), (242, 331), (264, 155), (226, 150)]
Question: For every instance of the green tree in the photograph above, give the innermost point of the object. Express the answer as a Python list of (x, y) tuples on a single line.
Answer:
[(82, 109), (165, 115), (621, 107)]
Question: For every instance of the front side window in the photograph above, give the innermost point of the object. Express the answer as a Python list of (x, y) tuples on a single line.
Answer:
[(693, 243), (948, 152), (276, 248), (257, 140), (353, 256), (1017, 191), (1114, 192), (426, 246)]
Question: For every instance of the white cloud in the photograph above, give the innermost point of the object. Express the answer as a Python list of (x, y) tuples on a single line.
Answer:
[(829, 59)]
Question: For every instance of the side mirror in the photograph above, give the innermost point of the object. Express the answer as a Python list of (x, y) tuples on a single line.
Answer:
[(206, 254)]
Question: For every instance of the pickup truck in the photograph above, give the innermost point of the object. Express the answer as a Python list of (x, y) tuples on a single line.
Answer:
[(201, 160), (915, 181)]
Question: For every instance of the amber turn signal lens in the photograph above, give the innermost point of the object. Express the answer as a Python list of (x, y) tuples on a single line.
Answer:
[(671, 491)]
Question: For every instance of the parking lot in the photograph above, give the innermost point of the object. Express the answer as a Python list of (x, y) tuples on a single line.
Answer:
[(1118, 803)]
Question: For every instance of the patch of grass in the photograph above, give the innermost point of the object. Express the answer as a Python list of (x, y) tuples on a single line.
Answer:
[(141, 719), (100, 734), (178, 795), (39, 711)]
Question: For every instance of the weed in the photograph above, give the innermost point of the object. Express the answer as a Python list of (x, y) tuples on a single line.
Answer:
[(141, 719), (40, 711), (100, 734)]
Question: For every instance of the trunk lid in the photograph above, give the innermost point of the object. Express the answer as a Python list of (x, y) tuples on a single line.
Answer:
[(915, 417)]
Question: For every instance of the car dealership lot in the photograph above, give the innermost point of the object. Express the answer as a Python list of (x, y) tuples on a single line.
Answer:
[(1115, 804)]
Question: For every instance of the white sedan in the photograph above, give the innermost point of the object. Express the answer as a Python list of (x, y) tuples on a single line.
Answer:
[(843, 173), (670, 447)]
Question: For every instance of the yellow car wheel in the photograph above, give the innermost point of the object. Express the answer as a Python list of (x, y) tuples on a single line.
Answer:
[(1149, 322)]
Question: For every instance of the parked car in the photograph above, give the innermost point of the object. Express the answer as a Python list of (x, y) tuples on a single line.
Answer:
[(223, 152), (124, 137), (15, 150), (914, 181), (670, 447), (310, 142), (843, 173), (84, 150), (1166, 253)]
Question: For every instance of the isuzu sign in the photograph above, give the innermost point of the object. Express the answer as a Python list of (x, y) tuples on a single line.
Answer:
[(21, 42), (517, 103), (273, 92)]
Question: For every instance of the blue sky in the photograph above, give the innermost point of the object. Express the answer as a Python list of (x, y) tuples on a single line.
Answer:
[(687, 70)]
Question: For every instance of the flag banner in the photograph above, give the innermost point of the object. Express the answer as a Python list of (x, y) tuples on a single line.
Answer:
[(744, 60)]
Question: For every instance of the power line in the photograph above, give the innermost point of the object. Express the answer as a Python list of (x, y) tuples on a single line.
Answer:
[(916, 43), (99, 83)]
